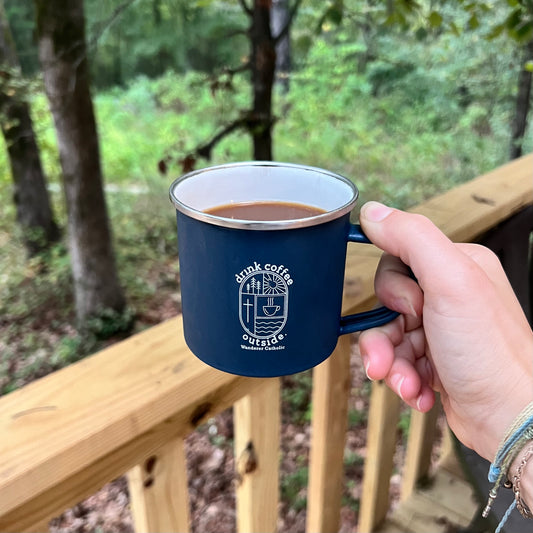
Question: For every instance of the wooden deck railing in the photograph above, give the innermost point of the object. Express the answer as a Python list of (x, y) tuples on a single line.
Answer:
[(129, 407)]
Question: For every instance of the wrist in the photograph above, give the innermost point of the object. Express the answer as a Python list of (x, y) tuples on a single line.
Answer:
[(515, 386), (496, 424), (509, 407)]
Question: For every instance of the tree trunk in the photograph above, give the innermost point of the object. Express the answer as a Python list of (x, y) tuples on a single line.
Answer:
[(62, 53), (32, 201), (523, 99), (263, 65), (280, 19)]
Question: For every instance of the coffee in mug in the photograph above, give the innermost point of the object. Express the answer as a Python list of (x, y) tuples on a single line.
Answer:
[(265, 211)]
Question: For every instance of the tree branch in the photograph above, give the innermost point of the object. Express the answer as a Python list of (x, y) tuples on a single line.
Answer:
[(188, 161), (247, 121), (223, 80), (104, 25), (246, 8), (232, 71), (206, 149)]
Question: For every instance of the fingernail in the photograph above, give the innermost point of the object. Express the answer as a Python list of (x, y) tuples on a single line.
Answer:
[(366, 364), (397, 381), (403, 305), (412, 311), (418, 403), (375, 212)]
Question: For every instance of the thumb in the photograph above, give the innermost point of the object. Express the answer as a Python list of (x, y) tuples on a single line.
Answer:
[(433, 258)]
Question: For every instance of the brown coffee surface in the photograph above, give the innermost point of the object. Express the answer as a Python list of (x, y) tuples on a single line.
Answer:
[(265, 211)]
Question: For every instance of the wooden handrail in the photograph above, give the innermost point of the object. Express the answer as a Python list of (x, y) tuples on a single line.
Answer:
[(128, 407)]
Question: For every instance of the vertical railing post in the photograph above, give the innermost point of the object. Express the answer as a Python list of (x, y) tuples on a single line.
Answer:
[(331, 388), (381, 442), (257, 422), (158, 491), (422, 430)]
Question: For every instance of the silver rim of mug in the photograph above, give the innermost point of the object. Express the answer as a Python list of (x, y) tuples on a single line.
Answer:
[(314, 220)]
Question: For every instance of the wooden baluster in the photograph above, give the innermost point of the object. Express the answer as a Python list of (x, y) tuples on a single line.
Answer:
[(381, 442), (158, 491), (422, 429), (331, 388), (257, 435)]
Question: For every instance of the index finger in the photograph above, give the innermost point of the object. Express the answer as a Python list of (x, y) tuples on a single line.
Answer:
[(396, 288)]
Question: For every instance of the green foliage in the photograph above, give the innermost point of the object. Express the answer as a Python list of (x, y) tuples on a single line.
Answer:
[(110, 322), (71, 349), (21, 17), (356, 418), (445, 118), (296, 396), (514, 17), (149, 37), (404, 423), (42, 280), (293, 488), (144, 37), (352, 459), (348, 499), (333, 13)]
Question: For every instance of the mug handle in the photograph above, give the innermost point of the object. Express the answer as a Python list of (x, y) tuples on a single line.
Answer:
[(368, 319)]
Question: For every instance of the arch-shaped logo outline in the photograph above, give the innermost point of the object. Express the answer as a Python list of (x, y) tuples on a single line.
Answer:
[(263, 304)]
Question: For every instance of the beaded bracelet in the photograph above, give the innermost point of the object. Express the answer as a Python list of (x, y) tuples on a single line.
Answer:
[(517, 478), (514, 441)]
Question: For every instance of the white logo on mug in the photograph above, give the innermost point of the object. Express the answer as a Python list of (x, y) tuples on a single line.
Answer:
[(263, 302)]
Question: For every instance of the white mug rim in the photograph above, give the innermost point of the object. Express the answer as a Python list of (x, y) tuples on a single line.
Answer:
[(217, 220)]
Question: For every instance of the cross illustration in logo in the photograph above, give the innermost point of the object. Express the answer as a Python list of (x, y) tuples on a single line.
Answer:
[(248, 304)]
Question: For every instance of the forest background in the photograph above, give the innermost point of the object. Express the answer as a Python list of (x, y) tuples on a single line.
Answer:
[(407, 101), (406, 98)]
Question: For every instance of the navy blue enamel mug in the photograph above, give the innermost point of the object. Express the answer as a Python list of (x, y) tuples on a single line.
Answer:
[(260, 297)]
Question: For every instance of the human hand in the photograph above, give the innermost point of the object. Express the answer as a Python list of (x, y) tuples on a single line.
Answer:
[(461, 331)]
